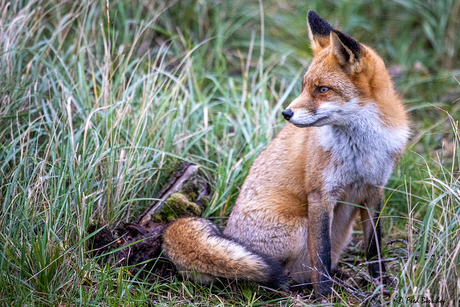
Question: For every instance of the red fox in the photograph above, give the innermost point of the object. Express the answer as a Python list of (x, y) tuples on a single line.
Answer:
[(294, 214)]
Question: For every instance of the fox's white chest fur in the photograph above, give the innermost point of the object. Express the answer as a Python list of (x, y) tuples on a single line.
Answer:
[(363, 150)]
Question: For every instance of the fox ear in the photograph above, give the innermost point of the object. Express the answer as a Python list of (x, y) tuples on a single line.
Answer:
[(346, 50), (318, 32)]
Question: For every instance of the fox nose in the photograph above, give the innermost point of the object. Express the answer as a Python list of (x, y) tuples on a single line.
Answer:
[(287, 114)]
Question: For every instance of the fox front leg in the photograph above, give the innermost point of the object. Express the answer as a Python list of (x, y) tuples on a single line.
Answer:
[(320, 215), (372, 235)]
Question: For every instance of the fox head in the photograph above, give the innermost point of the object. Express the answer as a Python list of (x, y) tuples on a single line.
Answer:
[(343, 77)]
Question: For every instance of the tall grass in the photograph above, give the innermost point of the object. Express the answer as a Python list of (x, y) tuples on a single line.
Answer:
[(97, 104), (429, 272)]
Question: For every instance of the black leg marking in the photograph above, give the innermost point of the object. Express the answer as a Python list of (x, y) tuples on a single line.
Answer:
[(372, 235), (320, 250), (373, 252)]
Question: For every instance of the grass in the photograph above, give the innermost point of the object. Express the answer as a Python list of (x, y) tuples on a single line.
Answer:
[(98, 103)]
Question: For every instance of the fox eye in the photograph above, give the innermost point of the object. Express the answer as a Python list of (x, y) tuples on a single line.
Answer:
[(322, 89)]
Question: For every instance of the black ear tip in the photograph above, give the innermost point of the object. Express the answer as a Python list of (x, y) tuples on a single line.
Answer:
[(313, 17), (312, 14), (353, 45), (318, 25)]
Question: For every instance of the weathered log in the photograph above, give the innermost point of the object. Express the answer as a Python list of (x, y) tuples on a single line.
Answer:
[(175, 184)]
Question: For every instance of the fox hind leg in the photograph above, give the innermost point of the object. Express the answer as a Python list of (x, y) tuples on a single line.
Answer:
[(372, 238), (341, 229)]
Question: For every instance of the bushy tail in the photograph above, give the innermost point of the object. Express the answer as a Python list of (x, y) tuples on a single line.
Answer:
[(200, 251)]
